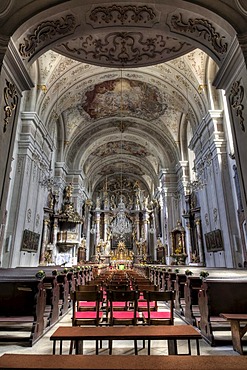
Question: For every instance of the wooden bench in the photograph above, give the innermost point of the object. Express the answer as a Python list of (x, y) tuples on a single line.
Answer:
[(172, 333), (179, 293), (22, 309), (215, 297), (50, 282), (191, 288), (238, 330), (124, 362), (52, 300)]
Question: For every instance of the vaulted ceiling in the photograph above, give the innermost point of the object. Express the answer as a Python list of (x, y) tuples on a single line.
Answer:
[(117, 83), (121, 120)]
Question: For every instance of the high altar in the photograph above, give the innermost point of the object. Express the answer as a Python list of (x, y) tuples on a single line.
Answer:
[(121, 256)]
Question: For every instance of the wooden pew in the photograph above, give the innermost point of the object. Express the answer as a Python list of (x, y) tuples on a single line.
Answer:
[(57, 295), (123, 362), (64, 294), (22, 309), (238, 328), (171, 333), (171, 279), (52, 300), (179, 293), (191, 289), (215, 297)]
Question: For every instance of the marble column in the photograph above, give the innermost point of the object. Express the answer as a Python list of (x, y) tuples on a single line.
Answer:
[(188, 240), (97, 225)]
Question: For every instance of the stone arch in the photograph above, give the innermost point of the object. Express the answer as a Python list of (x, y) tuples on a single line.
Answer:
[(189, 24)]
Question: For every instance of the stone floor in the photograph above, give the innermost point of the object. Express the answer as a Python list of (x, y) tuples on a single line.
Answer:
[(44, 345)]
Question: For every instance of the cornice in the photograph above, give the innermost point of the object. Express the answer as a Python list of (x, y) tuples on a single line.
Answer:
[(231, 66), (15, 68)]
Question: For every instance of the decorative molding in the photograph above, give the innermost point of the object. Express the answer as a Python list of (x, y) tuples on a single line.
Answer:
[(236, 98), (202, 28), (242, 6), (11, 100), (46, 31), (127, 15), (29, 215), (215, 214), (124, 48), (37, 221)]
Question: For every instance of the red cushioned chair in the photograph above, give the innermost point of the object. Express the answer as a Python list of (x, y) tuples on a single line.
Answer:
[(142, 303), (87, 317), (158, 316), (87, 305), (128, 316)]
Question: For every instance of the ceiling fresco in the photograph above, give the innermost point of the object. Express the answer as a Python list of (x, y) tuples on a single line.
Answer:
[(124, 166), (120, 147), (126, 97), (121, 119)]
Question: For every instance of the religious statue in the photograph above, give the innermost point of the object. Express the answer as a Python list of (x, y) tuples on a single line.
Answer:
[(98, 202), (50, 200), (68, 192)]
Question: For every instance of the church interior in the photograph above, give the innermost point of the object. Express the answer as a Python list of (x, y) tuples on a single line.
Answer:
[(123, 158)]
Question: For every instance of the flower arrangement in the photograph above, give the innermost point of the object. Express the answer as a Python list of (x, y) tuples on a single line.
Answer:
[(54, 272), (188, 272), (40, 274), (176, 270), (65, 270), (204, 274), (169, 270)]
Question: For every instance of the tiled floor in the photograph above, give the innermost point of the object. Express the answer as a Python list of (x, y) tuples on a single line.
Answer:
[(44, 345)]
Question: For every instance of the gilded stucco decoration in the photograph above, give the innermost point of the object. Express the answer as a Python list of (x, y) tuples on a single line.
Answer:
[(131, 97), (45, 32), (199, 28), (11, 101), (236, 99), (126, 15)]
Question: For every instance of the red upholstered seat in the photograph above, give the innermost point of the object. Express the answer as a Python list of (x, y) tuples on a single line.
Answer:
[(87, 317), (125, 315), (128, 300), (159, 317), (84, 305), (128, 316), (84, 315)]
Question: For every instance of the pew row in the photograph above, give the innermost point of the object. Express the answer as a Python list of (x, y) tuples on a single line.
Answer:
[(218, 296), (31, 306), (22, 310), (124, 362)]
